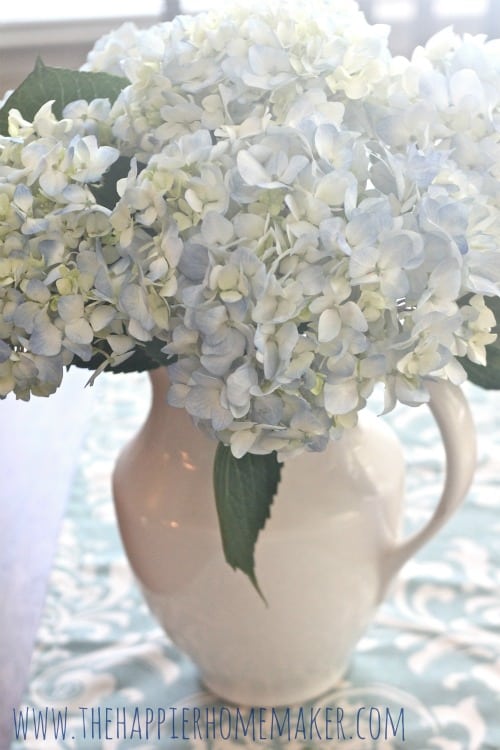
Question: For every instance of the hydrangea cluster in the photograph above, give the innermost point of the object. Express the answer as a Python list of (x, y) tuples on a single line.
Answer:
[(67, 287), (304, 217)]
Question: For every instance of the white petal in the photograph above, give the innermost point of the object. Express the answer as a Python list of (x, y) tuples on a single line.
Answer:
[(137, 331), (46, 339), (134, 302), (353, 316), (23, 198), (241, 442), (445, 279), (271, 360), (216, 229), (341, 398), (37, 291), (25, 315), (101, 316), (265, 60), (202, 402), (238, 387), (329, 325), (70, 307), (250, 169), (53, 182), (297, 164), (120, 343), (79, 331)]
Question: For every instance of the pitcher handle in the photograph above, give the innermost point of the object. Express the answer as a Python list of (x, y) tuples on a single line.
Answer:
[(454, 420)]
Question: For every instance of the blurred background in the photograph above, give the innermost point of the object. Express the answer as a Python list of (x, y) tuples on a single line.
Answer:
[(62, 32)]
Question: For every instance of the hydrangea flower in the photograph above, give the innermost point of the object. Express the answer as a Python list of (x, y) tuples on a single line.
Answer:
[(304, 216)]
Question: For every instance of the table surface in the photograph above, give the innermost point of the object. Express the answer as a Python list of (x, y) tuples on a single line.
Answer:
[(433, 649), (39, 449)]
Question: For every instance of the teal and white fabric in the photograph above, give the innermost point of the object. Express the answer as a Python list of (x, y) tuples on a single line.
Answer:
[(433, 650)]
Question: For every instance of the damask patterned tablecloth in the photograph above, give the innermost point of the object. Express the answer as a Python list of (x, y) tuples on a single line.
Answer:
[(426, 676)]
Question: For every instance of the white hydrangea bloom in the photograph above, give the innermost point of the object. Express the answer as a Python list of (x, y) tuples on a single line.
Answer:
[(67, 287), (304, 216)]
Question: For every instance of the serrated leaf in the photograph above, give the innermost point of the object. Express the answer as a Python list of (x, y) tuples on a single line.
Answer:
[(244, 491), (487, 377), (63, 86)]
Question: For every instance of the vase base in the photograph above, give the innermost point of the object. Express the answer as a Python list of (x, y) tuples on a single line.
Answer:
[(265, 696)]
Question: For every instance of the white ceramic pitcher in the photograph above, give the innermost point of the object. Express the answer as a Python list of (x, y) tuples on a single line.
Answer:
[(324, 560)]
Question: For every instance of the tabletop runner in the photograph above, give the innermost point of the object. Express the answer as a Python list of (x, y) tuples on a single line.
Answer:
[(426, 675)]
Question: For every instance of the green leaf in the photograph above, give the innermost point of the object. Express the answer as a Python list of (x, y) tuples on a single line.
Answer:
[(144, 358), (61, 85), (244, 491), (487, 377), (105, 193)]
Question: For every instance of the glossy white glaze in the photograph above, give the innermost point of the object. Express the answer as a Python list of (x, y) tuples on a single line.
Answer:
[(323, 561)]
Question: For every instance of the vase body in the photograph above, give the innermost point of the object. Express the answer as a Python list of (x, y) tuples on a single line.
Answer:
[(323, 561)]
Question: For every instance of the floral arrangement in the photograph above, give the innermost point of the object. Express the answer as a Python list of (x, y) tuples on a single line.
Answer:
[(267, 202)]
